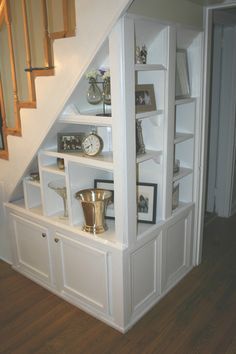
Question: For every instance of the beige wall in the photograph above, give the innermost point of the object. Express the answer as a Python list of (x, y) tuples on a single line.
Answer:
[(180, 11)]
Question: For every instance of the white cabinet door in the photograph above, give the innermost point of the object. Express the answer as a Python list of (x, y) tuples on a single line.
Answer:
[(82, 273), (177, 250), (32, 249)]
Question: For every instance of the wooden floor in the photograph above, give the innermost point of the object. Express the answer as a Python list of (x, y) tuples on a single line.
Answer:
[(198, 316)]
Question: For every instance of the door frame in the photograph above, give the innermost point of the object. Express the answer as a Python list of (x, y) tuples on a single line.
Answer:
[(208, 14)]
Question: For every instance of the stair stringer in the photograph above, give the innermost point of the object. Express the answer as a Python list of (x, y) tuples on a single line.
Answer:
[(72, 57)]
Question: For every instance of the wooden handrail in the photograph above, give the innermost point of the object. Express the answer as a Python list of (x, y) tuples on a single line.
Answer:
[(30, 78), (67, 31), (65, 15), (2, 5)]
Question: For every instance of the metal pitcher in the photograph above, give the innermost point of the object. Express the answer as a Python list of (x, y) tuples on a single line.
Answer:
[(94, 203)]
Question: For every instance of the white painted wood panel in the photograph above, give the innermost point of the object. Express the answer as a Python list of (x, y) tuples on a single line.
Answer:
[(144, 274), (32, 248), (83, 273), (177, 250)]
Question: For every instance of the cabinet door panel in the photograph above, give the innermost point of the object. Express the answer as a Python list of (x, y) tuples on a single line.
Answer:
[(177, 244), (84, 272), (144, 275), (32, 248)]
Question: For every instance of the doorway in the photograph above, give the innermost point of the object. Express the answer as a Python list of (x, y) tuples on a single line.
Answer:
[(221, 162)]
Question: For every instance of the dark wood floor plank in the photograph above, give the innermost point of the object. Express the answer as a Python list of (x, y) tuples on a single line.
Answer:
[(197, 317)]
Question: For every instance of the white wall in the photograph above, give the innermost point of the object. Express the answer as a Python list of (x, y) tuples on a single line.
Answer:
[(181, 11), (5, 252)]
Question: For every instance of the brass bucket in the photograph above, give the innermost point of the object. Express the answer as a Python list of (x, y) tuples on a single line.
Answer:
[(94, 203)]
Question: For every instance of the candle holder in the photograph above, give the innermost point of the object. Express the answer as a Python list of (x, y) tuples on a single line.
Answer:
[(60, 188)]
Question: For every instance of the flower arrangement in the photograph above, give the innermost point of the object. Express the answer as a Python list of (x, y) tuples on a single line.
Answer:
[(106, 76), (93, 74), (99, 86)]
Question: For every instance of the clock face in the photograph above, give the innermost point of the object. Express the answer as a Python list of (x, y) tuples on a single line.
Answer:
[(92, 145)]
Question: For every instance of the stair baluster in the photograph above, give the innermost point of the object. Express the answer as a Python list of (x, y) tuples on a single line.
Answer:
[(30, 77), (17, 129), (47, 41)]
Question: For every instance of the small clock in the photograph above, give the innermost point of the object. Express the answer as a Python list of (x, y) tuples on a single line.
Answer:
[(92, 144)]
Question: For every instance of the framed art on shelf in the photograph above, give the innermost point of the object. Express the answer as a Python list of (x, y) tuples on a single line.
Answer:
[(69, 142), (145, 98), (182, 86), (109, 185), (146, 200)]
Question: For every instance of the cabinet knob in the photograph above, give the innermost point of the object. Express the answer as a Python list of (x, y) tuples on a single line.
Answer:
[(56, 240), (44, 234)]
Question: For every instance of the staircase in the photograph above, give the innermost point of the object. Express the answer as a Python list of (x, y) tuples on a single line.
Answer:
[(70, 60), (27, 30)]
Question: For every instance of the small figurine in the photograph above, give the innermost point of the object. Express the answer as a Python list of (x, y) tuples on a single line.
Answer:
[(138, 56), (143, 54)]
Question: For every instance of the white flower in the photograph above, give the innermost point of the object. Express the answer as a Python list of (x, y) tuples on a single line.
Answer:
[(92, 74), (106, 75)]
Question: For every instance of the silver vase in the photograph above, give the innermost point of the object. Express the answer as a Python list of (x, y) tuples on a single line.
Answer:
[(94, 203)]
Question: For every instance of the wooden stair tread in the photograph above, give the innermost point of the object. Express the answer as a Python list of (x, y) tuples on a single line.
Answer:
[(27, 104), (62, 34)]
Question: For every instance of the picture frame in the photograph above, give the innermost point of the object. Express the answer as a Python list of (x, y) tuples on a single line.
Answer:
[(69, 142), (182, 85), (145, 100), (108, 185), (140, 146), (146, 200), (175, 196)]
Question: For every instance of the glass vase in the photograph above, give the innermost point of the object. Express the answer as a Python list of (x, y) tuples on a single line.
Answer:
[(94, 94), (107, 91), (60, 188)]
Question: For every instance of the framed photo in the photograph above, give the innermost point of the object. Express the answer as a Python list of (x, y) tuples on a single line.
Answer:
[(145, 98), (109, 185), (69, 142), (182, 87), (146, 200), (140, 146), (175, 196)]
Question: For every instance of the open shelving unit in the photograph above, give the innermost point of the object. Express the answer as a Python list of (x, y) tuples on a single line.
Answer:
[(146, 250)]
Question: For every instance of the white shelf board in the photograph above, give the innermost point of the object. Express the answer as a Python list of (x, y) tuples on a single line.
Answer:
[(32, 183), (37, 210), (183, 172), (144, 228), (101, 161), (108, 236), (180, 137), (85, 119), (144, 115), (150, 155), (184, 100), (181, 206), (149, 67), (53, 169)]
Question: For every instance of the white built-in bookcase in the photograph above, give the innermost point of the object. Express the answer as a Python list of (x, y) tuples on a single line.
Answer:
[(170, 128), (169, 132)]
